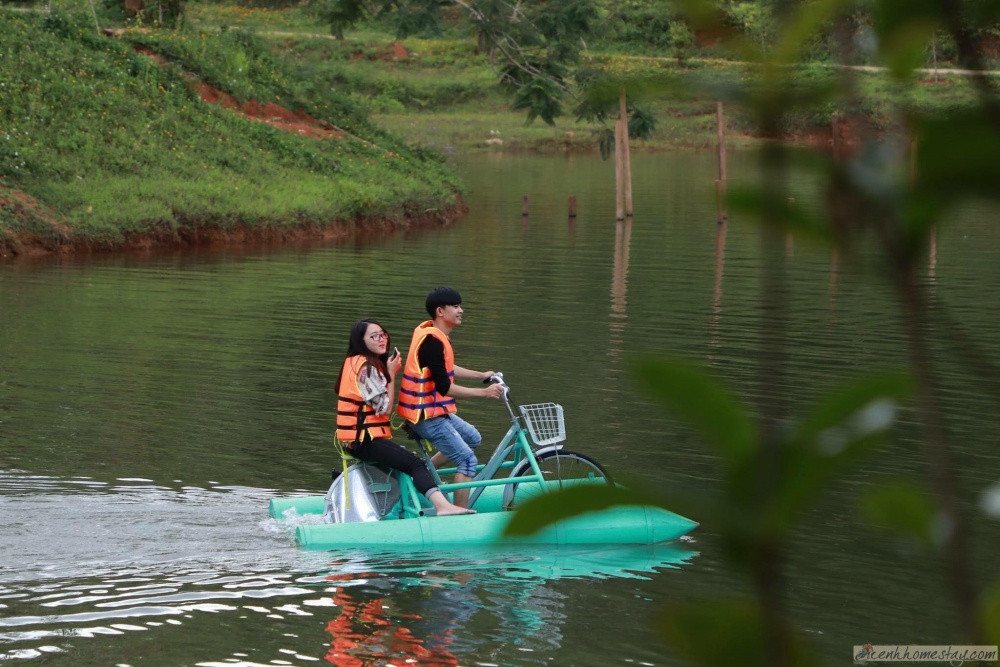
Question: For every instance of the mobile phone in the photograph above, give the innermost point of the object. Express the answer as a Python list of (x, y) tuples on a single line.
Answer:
[(395, 351)]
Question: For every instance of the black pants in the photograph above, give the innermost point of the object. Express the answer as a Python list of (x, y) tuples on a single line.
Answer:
[(390, 455)]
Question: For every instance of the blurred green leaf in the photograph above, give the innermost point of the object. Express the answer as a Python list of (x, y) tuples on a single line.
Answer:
[(857, 409), (990, 501), (990, 607), (900, 507), (804, 24), (705, 16), (791, 215), (694, 396), (904, 29), (601, 92), (957, 156), (713, 633), (905, 49), (766, 493), (844, 427), (723, 633), (982, 12)]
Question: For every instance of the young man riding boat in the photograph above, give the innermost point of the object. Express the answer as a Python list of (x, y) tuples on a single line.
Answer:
[(427, 391)]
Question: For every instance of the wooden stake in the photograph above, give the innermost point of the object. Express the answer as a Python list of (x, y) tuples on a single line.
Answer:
[(619, 173), (524, 206), (835, 141), (626, 153), (720, 128), (572, 206)]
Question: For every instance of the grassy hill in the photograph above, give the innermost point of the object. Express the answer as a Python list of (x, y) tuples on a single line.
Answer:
[(102, 145)]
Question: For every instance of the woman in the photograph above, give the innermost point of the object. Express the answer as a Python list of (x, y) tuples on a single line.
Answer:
[(365, 391)]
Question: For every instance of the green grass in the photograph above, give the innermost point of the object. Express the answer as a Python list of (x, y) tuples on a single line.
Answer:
[(115, 144)]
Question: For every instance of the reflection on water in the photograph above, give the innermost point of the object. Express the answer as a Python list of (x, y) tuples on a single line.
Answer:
[(834, 268), (451, 591), (715, 319), (98, 560), (619, 280), (932, 255), (363, 630)]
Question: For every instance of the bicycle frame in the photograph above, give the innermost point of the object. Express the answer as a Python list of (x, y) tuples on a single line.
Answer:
[(513, 447)]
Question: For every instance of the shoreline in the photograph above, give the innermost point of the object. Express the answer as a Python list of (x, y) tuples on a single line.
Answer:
[(24, 245)]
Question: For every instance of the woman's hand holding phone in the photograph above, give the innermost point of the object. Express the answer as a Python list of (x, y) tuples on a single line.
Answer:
[(395, 362)]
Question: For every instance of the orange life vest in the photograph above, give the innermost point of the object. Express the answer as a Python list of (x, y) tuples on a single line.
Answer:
[(355, 418), (418, 397)]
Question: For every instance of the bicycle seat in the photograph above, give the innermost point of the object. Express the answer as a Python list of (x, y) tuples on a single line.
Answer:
[(425, 445)]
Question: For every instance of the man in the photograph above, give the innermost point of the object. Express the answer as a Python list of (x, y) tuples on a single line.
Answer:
[(427, 392)]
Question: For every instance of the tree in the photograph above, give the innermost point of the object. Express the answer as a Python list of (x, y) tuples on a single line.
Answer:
[(537, 47), (774, 462)]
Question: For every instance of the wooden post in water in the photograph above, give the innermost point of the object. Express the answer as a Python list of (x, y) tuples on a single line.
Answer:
[(572, 206), (835, 135), (619, 173), (626, 153), (720, 184), (932, 237), (524, 206)]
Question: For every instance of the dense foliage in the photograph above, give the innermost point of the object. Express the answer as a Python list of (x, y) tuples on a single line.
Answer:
[(890, 188)]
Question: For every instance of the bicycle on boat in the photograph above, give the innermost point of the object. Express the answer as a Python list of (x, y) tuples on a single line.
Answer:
[(531, 451)]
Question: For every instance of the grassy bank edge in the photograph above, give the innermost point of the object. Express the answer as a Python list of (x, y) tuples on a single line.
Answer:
[(331, 188), (37, 230)]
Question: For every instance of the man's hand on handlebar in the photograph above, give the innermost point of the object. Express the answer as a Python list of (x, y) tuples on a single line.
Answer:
[(493, 391), (496, 387)]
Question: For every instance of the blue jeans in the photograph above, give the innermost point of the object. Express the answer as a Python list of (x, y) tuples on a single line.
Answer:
[(454, 437)]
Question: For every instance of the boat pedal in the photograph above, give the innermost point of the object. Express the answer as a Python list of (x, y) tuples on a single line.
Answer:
[(379, 487)]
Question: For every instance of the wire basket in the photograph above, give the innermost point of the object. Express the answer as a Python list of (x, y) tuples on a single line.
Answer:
[(545, 422)]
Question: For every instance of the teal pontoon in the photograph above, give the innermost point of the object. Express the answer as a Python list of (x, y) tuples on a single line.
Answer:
[(619, 525), (367, 506)]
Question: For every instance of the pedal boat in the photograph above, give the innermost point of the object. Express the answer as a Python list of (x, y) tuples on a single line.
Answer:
[(377, 517)]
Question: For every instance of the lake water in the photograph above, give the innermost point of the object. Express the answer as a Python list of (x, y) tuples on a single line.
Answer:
[(151, 405)]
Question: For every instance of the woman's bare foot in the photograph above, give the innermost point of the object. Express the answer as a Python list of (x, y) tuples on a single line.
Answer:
[(445, 507), (454, 509)]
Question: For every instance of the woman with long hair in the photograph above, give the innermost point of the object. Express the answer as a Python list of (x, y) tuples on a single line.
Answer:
[(365, 392)]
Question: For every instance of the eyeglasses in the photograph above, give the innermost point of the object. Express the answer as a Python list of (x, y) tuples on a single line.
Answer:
[(375, 337)]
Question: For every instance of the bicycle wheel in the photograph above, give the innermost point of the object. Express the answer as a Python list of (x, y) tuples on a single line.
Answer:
[(560, 468)]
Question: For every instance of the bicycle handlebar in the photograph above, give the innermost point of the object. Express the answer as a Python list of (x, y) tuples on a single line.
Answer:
[(497, 378)]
